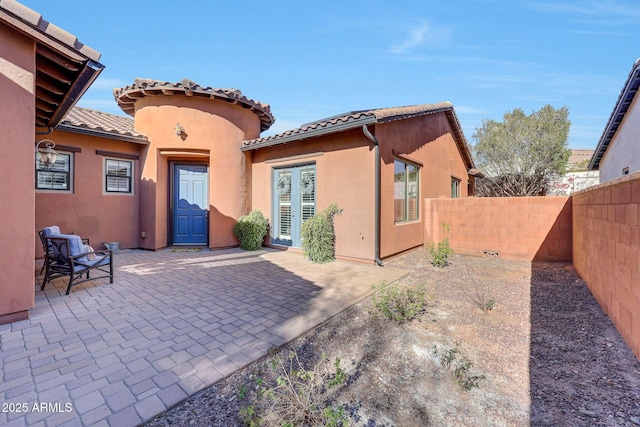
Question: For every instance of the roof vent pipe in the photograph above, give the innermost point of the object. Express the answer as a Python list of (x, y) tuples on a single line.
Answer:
[(376, 144)]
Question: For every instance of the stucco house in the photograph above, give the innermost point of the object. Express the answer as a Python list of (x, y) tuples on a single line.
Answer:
[(43, 72), (188, 160), (375, 164), (618, 151)]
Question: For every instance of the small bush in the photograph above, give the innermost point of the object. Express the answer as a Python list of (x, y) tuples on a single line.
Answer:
[(453, 359), (399, 303), (479, 297), (285, 393), (440, 253), (319, 237), (250, 230)]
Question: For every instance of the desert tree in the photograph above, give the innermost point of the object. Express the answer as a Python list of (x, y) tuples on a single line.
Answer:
[(523, 154)]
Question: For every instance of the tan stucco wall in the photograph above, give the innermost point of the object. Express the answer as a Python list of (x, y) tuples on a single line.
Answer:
[(428, 140), (214, 133), (17, 210), (344, 176), (345, 164), (89, 211)]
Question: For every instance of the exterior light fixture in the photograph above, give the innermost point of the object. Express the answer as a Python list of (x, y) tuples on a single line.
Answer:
[(179, 129), (47, 154)]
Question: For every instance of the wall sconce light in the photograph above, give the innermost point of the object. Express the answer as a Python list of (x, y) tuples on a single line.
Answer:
[(179, 129), (47, 154)]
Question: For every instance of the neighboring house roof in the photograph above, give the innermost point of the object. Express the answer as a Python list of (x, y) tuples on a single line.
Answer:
[(357, 119), (65, 68), (98, 123), (128, 95), (617, 115), (578, 156)]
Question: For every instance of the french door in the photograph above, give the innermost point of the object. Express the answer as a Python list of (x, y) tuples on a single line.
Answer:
[(294, 201)]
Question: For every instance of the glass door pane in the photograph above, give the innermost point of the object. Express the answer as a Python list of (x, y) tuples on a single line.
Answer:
[(283, 186), (307, 192), (294, 201)]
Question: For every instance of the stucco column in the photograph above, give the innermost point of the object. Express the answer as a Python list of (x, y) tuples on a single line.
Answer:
[(17, 210)]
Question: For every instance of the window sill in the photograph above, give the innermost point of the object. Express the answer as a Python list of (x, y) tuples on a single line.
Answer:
[(413, 221)]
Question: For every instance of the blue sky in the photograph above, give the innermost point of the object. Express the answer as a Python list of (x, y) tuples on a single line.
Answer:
[(310, 60)]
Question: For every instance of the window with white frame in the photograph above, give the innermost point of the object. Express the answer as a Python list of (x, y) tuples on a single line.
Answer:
[(59, 177), (406, 191), (118, 176)]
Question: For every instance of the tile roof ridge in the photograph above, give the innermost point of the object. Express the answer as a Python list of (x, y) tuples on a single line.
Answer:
[(35, 20), (340, 120), (142, 87)]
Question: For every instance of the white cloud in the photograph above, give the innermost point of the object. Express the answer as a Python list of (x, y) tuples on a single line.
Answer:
[(420, 35)]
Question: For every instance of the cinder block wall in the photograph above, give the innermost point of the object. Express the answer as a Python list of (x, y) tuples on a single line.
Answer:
[(524, 228), (606, 249)]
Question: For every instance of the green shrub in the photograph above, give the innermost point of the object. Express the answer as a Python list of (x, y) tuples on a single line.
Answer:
[(401, 304), (440, 253), (319, 237), (250, 230)]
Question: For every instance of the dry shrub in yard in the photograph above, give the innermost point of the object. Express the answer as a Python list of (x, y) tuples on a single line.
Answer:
[(399, 303), (285, 393), (460, 365)]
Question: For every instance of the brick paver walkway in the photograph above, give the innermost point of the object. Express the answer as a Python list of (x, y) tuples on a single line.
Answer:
[(172, 324)]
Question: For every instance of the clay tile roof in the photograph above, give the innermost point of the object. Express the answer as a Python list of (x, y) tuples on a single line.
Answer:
[(128, 95), (35, 20), (401, 113), (98, 123), (345, 121), (356, 119), (65, 68)]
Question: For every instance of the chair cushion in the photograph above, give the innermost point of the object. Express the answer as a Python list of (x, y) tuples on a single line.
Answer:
[(99, 262), (76, 246), (52, 229)]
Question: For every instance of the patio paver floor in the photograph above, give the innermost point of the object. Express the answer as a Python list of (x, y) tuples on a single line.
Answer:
[(171, 324)]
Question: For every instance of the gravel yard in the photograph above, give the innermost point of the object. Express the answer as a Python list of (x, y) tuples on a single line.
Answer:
[(548, 353)]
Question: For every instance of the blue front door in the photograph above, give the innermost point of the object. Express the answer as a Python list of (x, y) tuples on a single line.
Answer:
[(294, 201), (190, 204)]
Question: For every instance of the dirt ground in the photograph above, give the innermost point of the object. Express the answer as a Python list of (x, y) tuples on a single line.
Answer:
[(549, 355)]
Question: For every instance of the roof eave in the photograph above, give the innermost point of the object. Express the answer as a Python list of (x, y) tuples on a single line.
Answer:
[(87, 76), (460, 138), (625, 99), (311, 133), (103, 134), (67, 50)]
